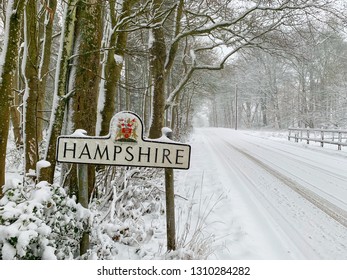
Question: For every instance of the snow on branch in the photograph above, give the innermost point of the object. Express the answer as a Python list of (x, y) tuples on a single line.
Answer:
[(284, 9), (123, 21), (243, 42)]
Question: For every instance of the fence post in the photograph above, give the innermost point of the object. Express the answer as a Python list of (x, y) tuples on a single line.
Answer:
[(308, 136), (322, 138), (340, 140)]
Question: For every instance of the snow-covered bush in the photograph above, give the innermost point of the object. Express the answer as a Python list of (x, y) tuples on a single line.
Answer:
[(40, 221), (127, 213), (130, 223)]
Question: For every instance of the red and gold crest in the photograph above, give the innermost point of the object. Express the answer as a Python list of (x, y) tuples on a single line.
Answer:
[(126, 130)]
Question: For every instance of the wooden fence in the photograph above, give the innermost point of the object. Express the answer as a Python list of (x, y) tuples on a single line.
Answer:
[(323, 136)]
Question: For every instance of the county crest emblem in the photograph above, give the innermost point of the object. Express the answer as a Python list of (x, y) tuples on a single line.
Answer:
[(126, 130)]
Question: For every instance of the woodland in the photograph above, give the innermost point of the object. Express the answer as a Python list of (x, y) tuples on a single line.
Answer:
[(72, 64)]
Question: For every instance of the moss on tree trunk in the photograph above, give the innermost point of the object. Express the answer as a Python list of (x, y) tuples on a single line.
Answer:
[(87, 78), (6, 81), (157, 65)]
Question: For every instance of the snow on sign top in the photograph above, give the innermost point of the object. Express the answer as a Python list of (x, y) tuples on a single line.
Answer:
[(124, 145)]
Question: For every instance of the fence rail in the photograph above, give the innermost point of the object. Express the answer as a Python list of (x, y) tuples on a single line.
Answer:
[(324, 136)]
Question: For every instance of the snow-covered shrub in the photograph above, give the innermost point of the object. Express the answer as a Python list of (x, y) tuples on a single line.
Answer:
[(130, 223), (40, 221), (126, 212)]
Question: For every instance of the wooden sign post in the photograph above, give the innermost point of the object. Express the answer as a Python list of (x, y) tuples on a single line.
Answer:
[(125, 145), (82, 174), (170, 204)]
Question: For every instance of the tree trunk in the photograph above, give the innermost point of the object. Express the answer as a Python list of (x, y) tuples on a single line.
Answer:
[(50, 7), (161, 64), (86, 81), (263, 107), (7, 66), (60, 97), (15, 119), (188, 112), (157, 60), (127, 87), (31, 87), (114, 64), (157, 64)]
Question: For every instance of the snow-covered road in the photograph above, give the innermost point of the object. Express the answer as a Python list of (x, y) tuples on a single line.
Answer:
[(280, 199)]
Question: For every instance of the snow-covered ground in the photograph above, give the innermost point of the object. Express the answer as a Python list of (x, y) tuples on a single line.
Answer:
[(253, 195), (274, 199)]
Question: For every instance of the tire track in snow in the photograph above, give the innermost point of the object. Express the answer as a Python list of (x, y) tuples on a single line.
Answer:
[(306, 160), (327, 207), (311, 166), (277, 221)]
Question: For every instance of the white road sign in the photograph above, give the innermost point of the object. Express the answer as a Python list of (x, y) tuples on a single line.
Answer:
[(124, 145)]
